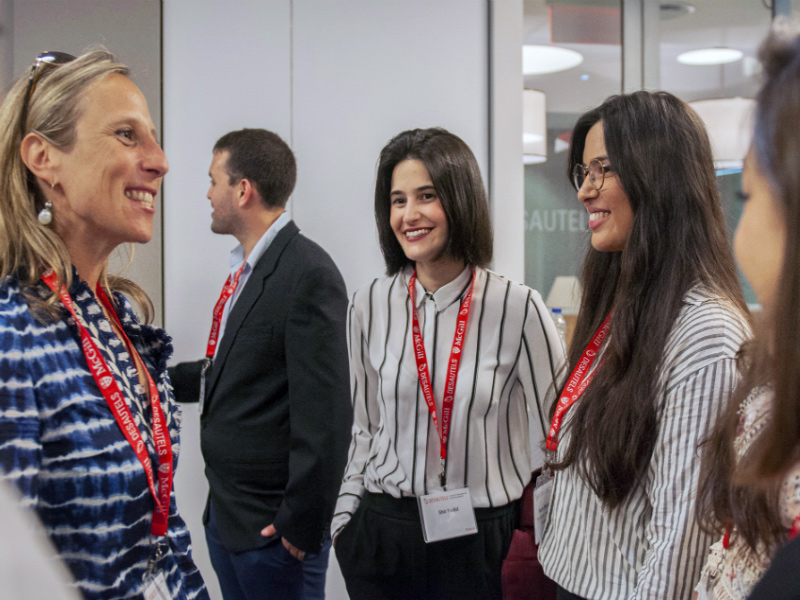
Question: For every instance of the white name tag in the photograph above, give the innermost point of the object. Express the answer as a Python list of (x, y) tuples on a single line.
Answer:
[(446, 515), (702, 589), (541, 504), (155, 587)]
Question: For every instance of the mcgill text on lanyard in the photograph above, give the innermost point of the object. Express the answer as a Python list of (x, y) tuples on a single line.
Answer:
[(423, 373), (122, 414), (447, 514), (231, 283), (577, 383)]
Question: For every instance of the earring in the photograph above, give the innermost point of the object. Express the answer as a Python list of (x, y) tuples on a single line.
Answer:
[(46, 215)]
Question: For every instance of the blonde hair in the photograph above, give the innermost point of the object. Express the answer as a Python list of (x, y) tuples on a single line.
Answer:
[(28, 248)]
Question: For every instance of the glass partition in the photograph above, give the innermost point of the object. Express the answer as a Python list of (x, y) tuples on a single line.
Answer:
[(658, 41), (555, 222)]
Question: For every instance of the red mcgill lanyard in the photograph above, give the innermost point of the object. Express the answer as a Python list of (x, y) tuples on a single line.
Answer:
[(116, 402), (452, 368), (578, 382), (227, 292)]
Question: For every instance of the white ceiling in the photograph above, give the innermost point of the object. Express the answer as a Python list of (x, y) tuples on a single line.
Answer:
[(740, 24)]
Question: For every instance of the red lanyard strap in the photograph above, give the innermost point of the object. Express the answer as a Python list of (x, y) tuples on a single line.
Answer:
[(219, 307), (452, 366), (122, 413), (578, 382)]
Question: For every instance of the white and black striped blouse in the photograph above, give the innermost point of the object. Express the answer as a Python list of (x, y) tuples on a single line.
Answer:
[(651, 547), (511, 352)]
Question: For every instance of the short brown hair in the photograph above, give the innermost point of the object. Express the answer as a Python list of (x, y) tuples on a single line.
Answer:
[(264, 159)]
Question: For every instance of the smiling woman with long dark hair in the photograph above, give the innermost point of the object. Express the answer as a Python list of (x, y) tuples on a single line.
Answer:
[(653, 358)]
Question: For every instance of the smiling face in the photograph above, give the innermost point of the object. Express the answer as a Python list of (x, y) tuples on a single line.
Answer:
[(760, 239), (107, 181), (610, 212), (417, 217)]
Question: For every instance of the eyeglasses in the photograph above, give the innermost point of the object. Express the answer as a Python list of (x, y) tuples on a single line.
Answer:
[(596, 171), (45, 59)]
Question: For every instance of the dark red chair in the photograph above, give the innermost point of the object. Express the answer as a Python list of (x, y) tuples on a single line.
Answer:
[(523, 577)]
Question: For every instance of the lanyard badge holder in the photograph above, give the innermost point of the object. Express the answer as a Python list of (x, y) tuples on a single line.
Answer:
[(155, 582), (577, 383), (449, 513)]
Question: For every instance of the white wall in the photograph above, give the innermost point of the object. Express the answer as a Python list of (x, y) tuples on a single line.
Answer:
[(336, 79)]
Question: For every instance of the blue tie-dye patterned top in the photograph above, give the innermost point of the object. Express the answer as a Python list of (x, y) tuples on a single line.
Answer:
[(60, 444)]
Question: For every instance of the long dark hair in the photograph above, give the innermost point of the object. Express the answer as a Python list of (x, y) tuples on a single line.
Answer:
[(745, 495), (457, 179), (660, 153)]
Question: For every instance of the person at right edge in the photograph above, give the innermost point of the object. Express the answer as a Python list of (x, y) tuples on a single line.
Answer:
[(653, 359), (750, 484)]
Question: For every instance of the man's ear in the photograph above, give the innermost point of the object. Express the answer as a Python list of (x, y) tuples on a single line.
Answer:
[(41, 157), (245, 192)]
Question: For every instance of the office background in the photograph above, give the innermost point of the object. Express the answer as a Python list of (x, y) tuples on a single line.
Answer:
[(337, 79)]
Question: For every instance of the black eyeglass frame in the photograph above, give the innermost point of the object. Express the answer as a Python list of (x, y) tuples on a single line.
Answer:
[(581, 171), (50, 58)]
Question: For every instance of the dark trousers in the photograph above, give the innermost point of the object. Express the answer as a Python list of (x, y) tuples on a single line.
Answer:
[(383, 554), (266, 573), (563, 594)]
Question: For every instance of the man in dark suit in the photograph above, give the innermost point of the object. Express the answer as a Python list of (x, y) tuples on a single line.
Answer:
[(276, 412)]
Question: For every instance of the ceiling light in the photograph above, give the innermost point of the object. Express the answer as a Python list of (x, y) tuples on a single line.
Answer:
[(537, 60), (534, 127), (710, 56)]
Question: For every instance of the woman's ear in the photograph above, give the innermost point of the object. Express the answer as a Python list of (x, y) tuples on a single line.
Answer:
[(41, 157)]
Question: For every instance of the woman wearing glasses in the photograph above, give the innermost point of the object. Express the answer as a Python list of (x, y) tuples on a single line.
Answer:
[(446, 361), (751, 471), (653, 358), (88, 424)]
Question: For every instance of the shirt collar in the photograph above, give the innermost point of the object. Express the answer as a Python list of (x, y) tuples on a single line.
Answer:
[(237, 254), (445, 295)]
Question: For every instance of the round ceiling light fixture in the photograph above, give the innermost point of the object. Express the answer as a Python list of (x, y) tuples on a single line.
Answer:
[(538, 60), (710, 56)]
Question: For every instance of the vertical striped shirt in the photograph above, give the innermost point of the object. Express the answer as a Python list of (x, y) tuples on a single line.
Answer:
[(650, 546), (509, 359)]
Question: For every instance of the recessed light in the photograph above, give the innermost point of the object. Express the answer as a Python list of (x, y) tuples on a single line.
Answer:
[(710, 56), (537, 60)]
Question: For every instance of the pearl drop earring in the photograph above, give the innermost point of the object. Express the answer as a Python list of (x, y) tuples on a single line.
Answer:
[(46, 215)]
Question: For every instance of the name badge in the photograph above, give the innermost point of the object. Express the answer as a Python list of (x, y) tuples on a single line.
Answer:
[(446, 515), (702, 589), (541, 504), (155, 587)]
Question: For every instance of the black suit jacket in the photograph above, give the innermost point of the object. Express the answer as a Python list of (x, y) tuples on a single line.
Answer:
[(275, 427)]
